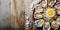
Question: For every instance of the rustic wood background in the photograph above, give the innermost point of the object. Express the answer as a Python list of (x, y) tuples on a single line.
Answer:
[(12, 13)]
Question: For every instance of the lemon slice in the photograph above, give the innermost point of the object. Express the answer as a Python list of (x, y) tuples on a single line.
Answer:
[(50, 12)]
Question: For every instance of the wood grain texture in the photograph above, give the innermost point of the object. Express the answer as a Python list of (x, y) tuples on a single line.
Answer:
[(13, 13)]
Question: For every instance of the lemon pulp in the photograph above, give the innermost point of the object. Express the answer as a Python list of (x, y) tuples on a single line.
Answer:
[(50, 12)]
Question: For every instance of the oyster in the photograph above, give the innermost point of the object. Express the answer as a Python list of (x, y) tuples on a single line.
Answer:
[(54, 25), (44, 4), (46, 26), (58, 20), (51, 4), (57, 6), (41, 22), (39, 10), (38, 16), (58, 12)]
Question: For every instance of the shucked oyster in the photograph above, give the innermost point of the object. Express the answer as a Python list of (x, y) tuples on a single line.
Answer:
[(39, 10), (58, 12), (51, 4), (58, 20), (38, 16), (41, 22), (46, 26), (54, 25), (44, 3), (57, 6)]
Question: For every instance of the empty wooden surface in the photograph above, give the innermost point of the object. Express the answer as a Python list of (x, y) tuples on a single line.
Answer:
[(12, 13)]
